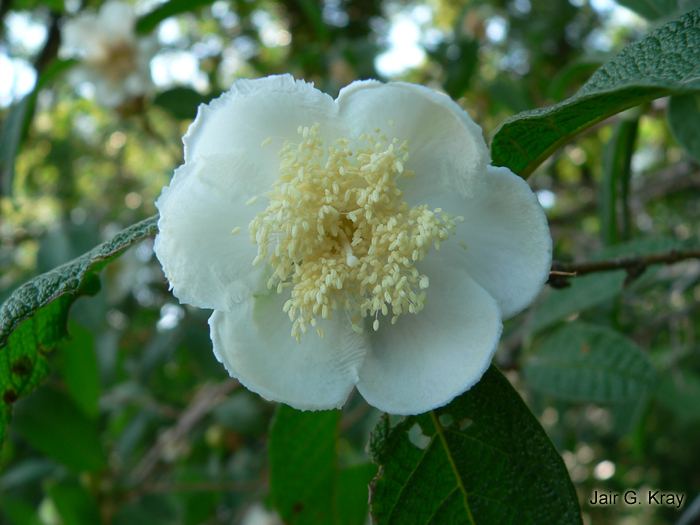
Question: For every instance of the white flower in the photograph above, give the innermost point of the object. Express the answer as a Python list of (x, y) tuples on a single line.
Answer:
[(257, 514), (113, 58), (337, 209)]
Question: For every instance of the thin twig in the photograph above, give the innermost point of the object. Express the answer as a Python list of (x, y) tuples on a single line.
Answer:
[(634, 265), (200, 486), (208, 397)]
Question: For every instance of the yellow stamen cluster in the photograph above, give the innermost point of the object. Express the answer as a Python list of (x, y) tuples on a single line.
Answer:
[(338, 232)]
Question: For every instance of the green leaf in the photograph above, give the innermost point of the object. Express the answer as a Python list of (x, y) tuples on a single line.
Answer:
[(458, 69), (572, 75), (182, 102), (680, 393), (11, 137), (684, 120), (306, 485), (54, 425), (585, 362), (77, 362), (16, 124), (616, 172), (17, 511), (665, 62), (148, 22), (302, 454), (651, 9), (353, 492), (482, 459), (594, 289), (312, 12), (75, 504), (33, 319)]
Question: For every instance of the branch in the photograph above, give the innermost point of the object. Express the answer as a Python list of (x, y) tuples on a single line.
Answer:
[(208, 397), (634, 265), (201, 486)]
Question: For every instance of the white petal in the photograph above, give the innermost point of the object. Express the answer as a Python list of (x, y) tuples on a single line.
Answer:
[(253, 110), (136, 84), (81, 35), (426, 360), (509, 246), (108, 94), (206, 265), (253, 342), (446, 147), (117, 20)]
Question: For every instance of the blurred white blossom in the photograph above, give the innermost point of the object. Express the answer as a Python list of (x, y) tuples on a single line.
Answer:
[(112, 57), (257, 514)]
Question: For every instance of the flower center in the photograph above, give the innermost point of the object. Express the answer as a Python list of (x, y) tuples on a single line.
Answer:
[(117, 61), (338, 231)]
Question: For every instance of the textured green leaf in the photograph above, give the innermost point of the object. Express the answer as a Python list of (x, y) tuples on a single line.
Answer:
[(67, 435), (684, 119), (148, 22), (665, 62), (585, 362), (482, 459), (594, 289), (306, 484), (33, 319), (75, 504), (182, 102)]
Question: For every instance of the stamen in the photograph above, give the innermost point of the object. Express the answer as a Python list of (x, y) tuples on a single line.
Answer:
[(344, 238), (351, 259)]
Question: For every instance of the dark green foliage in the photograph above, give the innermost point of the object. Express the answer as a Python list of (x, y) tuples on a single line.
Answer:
[(149, 22), (78, 366), (306, 482), (651, 9), (680, 392), (10, 139), (126, 429), (68, 436), (33, 319), (684, 119), (614, 187), (461, 464), (584, 362), (662, 63), (595, 289), (182, 103), (15, 126), (74, 504)]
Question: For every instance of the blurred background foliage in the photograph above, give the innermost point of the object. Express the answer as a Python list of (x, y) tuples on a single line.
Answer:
[(138, 423)]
